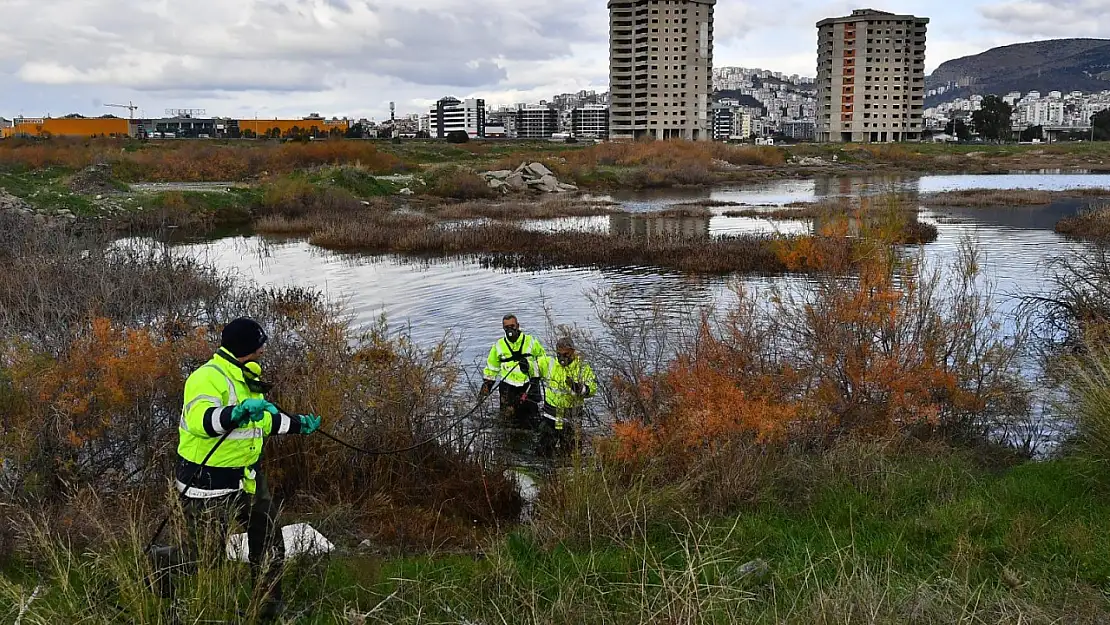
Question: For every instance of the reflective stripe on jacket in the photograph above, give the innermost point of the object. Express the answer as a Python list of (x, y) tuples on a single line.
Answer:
[(557, 392), (502, 360), (211, 392)]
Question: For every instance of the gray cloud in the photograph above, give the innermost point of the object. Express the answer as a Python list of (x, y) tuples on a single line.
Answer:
[(285, 44), (1050, 18), (352, 57)]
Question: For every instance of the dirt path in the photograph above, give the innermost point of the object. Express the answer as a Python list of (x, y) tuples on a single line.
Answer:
[(202, 187)]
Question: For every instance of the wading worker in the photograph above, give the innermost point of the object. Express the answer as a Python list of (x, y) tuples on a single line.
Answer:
[(568, 383), (514, 360), (227, 394)]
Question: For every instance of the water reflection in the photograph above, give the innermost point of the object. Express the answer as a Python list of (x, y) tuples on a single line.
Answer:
[(647, 226), (464, 299), (780, 192)]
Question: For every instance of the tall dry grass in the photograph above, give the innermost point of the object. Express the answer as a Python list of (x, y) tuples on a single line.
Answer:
[(650, 164), (196, 161), (1093, 224)]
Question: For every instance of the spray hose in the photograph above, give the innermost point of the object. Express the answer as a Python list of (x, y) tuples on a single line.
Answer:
[(369, 452)]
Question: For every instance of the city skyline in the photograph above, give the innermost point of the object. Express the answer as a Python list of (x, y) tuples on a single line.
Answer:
[(292, 57)]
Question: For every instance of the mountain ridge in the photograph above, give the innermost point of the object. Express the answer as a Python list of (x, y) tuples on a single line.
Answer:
[(1077, 64)]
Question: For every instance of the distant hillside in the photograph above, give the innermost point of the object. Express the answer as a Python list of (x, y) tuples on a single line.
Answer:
[(1053, 65), (745, 100)]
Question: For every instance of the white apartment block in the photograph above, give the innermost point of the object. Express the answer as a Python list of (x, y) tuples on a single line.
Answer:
[(451, 114), (590, 121), (660, 68), (871, 77)]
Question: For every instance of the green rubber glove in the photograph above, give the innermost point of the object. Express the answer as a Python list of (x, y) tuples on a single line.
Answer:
[(253, 410), (309, 423)]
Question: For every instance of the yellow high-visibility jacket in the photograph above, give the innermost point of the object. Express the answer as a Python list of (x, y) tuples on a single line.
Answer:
[(211, 392), (559, 399), (503, 359)]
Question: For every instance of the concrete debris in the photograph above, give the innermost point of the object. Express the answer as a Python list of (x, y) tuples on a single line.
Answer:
[(9, 202), (539, 170), (517, 182), (405, 191), (527, 177), (811, 161)]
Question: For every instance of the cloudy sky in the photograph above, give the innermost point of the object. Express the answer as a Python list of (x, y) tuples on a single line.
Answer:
[(270, 58)]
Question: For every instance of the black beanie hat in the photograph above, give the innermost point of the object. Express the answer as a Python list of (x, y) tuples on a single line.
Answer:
[(243, 337)]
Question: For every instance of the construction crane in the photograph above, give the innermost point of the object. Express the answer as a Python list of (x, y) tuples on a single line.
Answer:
[(131, 108)]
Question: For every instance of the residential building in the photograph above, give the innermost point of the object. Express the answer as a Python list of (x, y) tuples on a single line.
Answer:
[(723, 118), (536, 121), (742, 125), (1059, 110), (451, 114), (799, 129), (660, 68), (871, 77), (503, 117), (590, 121)]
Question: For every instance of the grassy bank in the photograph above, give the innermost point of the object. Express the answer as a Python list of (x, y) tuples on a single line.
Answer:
[(828, 452), (925, 540), (866, 535)]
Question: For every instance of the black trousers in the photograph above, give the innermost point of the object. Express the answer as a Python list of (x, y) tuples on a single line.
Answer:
[(210, 521), (522, 410), (555, 441)]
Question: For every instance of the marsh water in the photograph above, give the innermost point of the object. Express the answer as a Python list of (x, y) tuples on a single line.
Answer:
[(463, 298)]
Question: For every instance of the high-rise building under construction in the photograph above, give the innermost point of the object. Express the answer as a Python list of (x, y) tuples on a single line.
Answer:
[(871, 77), (660, 69)]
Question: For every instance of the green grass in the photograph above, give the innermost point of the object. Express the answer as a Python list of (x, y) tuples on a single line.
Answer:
[(925, 540), (360, 183), (45, 190)]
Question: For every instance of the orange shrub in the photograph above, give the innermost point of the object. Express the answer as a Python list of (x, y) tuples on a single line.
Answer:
[(113, 388), (872, 346)]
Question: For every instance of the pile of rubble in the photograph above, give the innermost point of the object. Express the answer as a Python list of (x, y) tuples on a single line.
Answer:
[(13, 205), (527, 177), (9, 202), (94, 180)]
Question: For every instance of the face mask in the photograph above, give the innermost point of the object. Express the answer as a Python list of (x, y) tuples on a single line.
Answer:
[(565, 359), (512, 333)]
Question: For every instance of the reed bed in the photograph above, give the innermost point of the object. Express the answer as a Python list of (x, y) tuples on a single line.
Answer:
[(1009, 197), (1091, 224), (510, 247), (683, 210)]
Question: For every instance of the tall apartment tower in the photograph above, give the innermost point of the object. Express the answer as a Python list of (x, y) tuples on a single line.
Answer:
[(660, 69), (871, 77)]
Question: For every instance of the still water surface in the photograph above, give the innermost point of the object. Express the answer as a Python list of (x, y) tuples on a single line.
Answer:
[(468, 300)]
